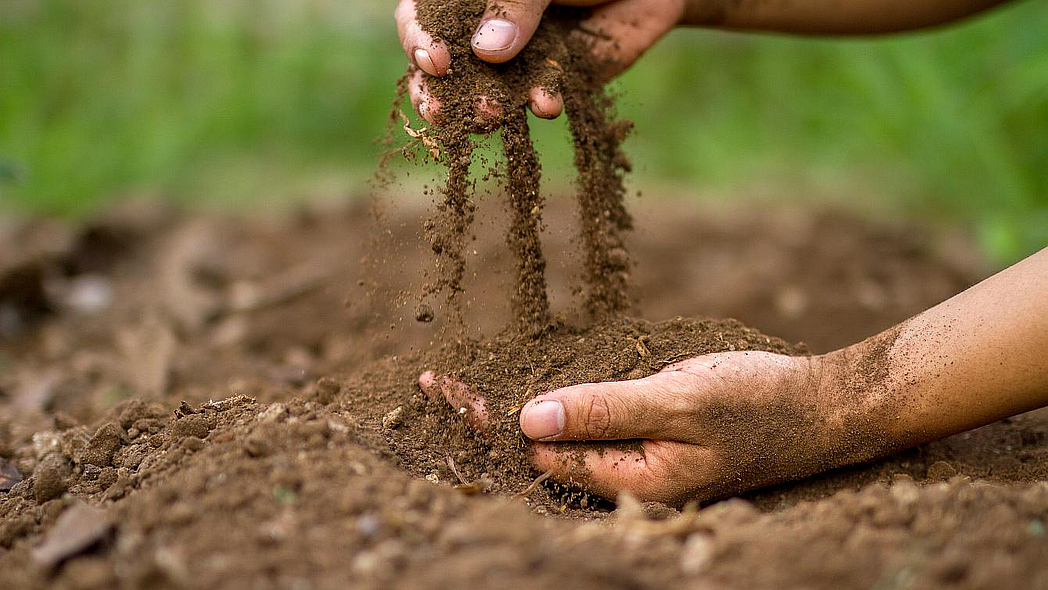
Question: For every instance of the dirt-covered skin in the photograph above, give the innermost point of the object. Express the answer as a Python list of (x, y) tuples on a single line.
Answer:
[(298, 483), (509, 370)]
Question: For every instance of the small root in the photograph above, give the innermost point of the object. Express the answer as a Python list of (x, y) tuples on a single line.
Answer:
[(531, 487), (451, 465)]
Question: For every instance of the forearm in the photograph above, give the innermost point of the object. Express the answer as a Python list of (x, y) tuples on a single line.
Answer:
[(971, 360), (829, 17)]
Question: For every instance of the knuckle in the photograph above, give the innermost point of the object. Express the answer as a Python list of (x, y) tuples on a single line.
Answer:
[(668, 474), (596, 416)]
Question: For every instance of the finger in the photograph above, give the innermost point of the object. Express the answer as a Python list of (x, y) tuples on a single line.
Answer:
[(427, 382), (659, 407), (624, 30), (468, 404), (544, 104), (663, 472), (506, 27), (465, 402), (426, 105), (422, 50)]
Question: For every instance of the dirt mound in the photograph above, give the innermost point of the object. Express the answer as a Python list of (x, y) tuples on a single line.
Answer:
[(279, 472), (510, 369)]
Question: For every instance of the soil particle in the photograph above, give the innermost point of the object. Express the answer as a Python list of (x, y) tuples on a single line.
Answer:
[(941, 470), (106, 441), (198, 425), (51, 477), (557, 60)]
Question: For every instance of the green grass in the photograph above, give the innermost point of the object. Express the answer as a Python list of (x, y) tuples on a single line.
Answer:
[(242, 102)]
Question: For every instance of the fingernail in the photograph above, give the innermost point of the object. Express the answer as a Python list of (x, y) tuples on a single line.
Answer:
[(542, 419), (424, 61), (494, 35)]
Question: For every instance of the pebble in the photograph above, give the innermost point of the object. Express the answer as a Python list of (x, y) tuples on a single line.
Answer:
[(394, 418), (257, 446), (273, 413)]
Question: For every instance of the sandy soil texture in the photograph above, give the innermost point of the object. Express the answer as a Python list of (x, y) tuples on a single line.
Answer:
[(192, 401)]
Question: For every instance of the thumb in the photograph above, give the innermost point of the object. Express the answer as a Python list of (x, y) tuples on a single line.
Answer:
[(654, 407), (506, 27)]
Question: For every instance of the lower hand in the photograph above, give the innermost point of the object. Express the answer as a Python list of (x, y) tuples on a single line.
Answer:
[(709, 427)]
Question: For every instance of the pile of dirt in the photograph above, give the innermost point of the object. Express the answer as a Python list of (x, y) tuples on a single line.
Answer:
[(432, 439), (278, 471), (479, 96)]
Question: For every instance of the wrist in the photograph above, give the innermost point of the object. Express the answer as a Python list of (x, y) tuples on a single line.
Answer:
[(704, 13), (866, 409)]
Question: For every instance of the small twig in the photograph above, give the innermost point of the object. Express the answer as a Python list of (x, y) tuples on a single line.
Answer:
[(451, 464), (673, 359), (516, 409), (531, 487)]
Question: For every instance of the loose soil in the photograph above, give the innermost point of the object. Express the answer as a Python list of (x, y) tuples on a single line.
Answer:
[(207, 402), (556, 61)]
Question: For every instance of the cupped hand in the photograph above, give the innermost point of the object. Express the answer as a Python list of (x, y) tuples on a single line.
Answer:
[(705, 428), (621, 31)]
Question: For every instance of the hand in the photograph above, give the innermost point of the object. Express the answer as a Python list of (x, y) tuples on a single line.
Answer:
[(709, 427), (627, 29)]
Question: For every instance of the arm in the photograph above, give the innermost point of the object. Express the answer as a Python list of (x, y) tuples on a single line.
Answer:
[(631, 27), (975, 358), (720, 424), (830, 17)]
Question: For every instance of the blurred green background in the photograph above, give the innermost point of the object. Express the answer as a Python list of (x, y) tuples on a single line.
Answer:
[(245, 102)]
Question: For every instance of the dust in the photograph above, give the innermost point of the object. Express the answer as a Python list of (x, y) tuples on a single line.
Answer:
[(556, 60)]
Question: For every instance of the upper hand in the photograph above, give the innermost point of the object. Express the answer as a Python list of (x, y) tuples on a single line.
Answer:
[(628, 28)]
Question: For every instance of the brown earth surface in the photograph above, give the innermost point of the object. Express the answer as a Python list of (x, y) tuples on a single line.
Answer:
[(198, 401)]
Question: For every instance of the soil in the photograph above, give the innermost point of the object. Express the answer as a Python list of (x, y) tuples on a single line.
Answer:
[(211, 402), (476, 96), (512, 368)]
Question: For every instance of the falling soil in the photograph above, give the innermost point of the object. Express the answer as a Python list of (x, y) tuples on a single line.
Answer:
[(478, 96)]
